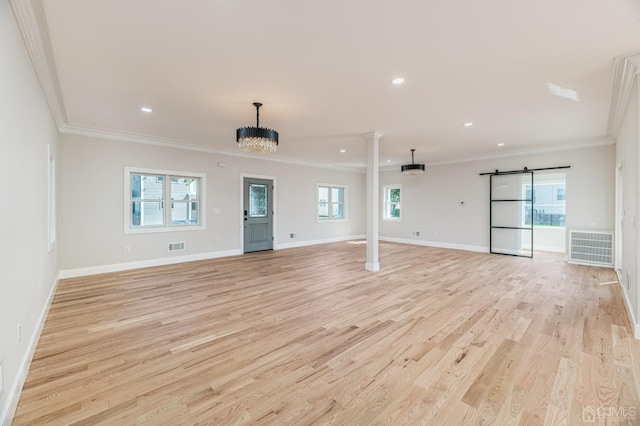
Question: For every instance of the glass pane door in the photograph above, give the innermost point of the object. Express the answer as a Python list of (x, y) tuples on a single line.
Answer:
[(511, 204)]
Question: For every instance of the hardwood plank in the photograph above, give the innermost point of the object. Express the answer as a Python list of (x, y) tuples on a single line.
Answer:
[(307, 336)]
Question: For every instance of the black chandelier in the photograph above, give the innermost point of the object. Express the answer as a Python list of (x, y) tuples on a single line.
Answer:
[(412, 169), (257, 139)]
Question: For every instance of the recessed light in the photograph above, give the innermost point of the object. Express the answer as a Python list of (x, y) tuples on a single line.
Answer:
[(397, 80), (146, 109), (343, 150), (468, 124), (388, 161), (500, 144)]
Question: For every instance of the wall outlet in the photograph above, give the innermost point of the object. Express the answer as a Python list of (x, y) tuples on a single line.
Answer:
[(19, 334), (127, 249), (293, 235), (218, 240), (415, 233)]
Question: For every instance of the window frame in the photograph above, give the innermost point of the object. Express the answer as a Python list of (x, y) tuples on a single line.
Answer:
[(330, 203), (166, 180), (386, 191)]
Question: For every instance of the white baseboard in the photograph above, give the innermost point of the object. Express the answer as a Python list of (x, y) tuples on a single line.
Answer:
[(553, 249), (117, 267), (436, 244), (627, 302), (16, 389), (316, 242)]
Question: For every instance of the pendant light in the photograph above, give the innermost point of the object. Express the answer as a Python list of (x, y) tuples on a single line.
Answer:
[(257, 139), (412, 169)]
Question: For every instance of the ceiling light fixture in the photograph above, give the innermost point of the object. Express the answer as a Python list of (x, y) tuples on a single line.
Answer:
[(343, 150), (412, 169), (146, 109), (468, 124), (257, 139), (397, 81), (500, 144)]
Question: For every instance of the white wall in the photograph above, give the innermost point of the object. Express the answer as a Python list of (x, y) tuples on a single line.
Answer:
[(91, 203), (627, 157), (431, 202), (28, 269)]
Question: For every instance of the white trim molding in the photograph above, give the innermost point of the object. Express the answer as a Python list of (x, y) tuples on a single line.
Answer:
[(632, 318), (624, 73), (31, 18), (437, 244), (117, 267), (285, 246), (541, 149), (95, 132), (16, 389)]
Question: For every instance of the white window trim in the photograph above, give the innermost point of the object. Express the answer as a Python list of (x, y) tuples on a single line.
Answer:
[(384, 203), (167, 227), (346, 203)]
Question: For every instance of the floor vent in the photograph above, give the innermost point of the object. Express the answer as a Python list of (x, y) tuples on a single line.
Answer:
[(591, 248), (176, 246)]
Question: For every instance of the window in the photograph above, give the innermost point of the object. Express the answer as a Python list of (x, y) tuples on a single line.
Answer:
[(158, 200), (548, 204), (332, 202), (392, 203)]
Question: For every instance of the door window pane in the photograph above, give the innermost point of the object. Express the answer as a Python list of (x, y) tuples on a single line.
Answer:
[(257, 200)]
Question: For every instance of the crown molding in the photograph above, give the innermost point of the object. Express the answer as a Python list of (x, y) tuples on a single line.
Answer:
[(624, 74), (373, 135), (95, 132), (31, 18), (567, 146)]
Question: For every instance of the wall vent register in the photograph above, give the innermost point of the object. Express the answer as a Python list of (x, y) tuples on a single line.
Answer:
[(591, 248), (176, 246)]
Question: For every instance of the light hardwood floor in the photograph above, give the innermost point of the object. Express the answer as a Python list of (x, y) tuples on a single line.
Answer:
[(307, 336)]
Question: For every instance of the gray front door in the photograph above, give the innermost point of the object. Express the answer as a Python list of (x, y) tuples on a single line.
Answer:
[(258, 214)]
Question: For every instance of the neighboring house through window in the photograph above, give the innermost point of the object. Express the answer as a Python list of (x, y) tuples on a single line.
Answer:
[(332, 202), (159, 200), (549, 204)]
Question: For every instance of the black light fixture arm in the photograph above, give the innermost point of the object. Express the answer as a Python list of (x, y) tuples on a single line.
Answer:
[(257, 105), (412, 151)]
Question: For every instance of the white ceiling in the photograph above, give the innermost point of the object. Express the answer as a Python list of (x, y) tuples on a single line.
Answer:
[(322, 69)]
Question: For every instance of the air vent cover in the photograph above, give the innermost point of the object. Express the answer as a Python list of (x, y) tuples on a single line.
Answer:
[(591, 248), (176, 246)]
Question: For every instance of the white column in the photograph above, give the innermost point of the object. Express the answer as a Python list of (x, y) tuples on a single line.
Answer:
[(373, 194)]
